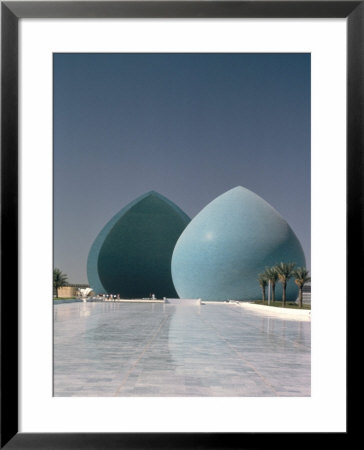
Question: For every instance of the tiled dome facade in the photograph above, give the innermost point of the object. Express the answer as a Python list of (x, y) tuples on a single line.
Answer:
[(224, 248), (132, 254)]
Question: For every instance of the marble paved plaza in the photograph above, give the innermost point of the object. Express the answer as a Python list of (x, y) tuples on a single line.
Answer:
[(131, 349)]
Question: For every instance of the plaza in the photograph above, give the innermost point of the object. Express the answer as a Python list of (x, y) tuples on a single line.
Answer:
[(111, 349)]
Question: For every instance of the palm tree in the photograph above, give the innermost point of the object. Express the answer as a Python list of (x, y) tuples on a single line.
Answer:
[(301, 278), (263, 284), (59, 280), (285, 272), (272, 276)]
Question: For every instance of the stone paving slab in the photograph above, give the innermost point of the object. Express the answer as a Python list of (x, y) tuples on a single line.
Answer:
[(162, 350)]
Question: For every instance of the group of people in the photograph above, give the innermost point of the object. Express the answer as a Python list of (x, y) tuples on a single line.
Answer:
[(109, 297), (113, 297)]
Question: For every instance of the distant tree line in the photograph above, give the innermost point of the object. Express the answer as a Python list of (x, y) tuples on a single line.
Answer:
[(282, 273)]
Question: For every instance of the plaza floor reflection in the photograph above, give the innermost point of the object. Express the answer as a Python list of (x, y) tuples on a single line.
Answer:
[(113, 349)]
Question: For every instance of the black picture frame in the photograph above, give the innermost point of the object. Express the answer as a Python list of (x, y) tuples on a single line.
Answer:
[(11, 12)]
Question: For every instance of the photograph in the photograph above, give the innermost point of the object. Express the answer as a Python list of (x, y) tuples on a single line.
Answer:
[(181, 224), (181, 177)]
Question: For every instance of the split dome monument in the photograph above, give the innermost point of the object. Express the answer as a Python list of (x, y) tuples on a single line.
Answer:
[(131, 256), (151, 246)]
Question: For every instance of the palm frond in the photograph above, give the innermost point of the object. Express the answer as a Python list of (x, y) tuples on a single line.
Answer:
[(285, 271), (301, 276)]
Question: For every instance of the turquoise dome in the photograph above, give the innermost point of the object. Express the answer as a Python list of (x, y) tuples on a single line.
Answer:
[(132, 254), (224, 248)]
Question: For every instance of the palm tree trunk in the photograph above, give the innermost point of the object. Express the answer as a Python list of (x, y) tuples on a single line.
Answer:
[(263, 294), (300, 296), (273, 292), (284, 294)]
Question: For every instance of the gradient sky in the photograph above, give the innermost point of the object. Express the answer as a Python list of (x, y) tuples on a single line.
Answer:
[(189, 126)]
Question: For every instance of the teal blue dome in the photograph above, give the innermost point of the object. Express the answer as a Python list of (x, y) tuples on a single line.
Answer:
[(132, 254), (224, 248)]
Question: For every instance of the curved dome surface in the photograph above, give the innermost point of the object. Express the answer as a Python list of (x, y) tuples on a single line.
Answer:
[(132, 254), (224, 248)]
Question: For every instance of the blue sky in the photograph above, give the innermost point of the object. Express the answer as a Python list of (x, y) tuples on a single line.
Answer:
[(190, 126)]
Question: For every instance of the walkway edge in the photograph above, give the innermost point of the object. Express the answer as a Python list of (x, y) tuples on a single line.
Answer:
[(287, 313)]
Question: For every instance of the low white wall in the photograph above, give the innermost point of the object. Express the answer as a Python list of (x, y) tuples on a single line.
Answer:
[(183, 301), (288, 313)]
